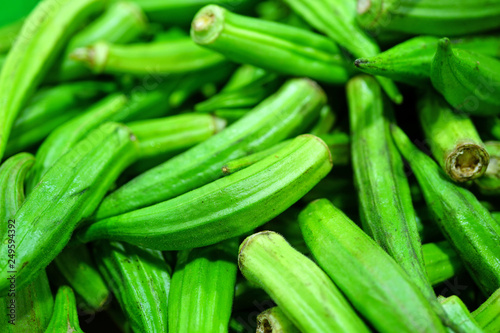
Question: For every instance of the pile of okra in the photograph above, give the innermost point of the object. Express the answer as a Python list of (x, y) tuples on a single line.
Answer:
[(199, 166)]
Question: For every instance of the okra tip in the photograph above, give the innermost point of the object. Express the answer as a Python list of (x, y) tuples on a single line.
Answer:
[(94, 56), (207, 24), (219, 124), (248, 241), (468, 161)]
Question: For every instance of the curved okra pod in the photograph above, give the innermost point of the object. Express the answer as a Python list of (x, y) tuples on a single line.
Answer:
[(281, 116), (65, 315), (467, 80), (202, 289), (375, 284), (8, 35), (467, 225), (457, 310), (453, 139), (489, 184), (269, 45), (69, 192), (291, 278), (441, 262), (225, 208), (140, 280), (273, 320), (244, 76), (39, 43), (488, 314)]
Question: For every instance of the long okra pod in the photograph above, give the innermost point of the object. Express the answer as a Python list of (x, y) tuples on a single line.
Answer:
[(291, 278), (269, 45), (489, 184), (441, 262), (273, 320), (65, 316), (279, 117), (457, 310), (453, 139), (488, 314), (225, 208), (202, 289), (468, 226), (39, 43), (69, 192)]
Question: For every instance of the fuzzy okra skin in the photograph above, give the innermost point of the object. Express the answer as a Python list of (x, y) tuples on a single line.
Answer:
[(140, 280), (453, 139), (65, 315), (467, 80), (375, 284), (467, 225), (281, 116), (488, 314), (224, 208), (457, 310), (202, 289), (269, 45), (441, 262), (299, 287), (40, 41), (273, 320), (69, 192)]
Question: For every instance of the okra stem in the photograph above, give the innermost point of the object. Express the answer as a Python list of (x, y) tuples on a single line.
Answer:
[(273, 320), (441, 262), (457, 310)]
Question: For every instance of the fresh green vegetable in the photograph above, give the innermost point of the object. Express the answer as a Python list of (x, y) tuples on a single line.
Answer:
[(325, 122), (457, 310), (274, 320), (488, 314), (8, 35), (490, 182), (65, 316), (441, 262)]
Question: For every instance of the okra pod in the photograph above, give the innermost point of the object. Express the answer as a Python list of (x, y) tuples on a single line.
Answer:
[(244, 76), (441, 262), (231, 115), (488, 314), (69, 192), (202, 289), (325, 122), (339, 144), (291, 278), (8, 35), (65, 315), (258, 194), (453, 139), (467, 80), (273, 320), (269, 45), (467, 225), (489, 184), (279, 117), (457, 310), (39, 43), (395, 303), (140, 280)]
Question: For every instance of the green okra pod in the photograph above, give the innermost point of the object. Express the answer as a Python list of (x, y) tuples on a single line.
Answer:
[(467, 80), (299, 287), (325, 122), (269, 45), (339, 144), (375, 284), (489, 184), (69, 192), (39, 43), (244, 76), (140, 280), (467, 225), (441, 262), (8, 35), (273, 320), (488, 314), (231, 115), (453, 139), (65, 315), (225, 208), (281, 116), (202, 289), (457, 310)]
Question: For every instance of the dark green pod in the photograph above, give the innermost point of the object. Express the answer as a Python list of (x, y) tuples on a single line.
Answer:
[(488, 314), (273, 320), (467, 225), (339, 144), (441, 262), (457, 310), (281, 116), (202, 289), (140, 280), (325, 122), (65, 315)]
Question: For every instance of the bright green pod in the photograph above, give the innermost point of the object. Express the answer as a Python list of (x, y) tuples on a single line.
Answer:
[(225, 208), (339, 144), (8, 35), (269, 45), (140, 280), (441, 262), (177, 56), (489, 184), (65, 315), (457, 310), (299, 287), (467, 80), (3, 57), (375, 284), (488, 314), (453, 139), (40, 41), (467, 225), (231, 115), (273, 320), (441, 18), (202, 289), (283, 115), (496, 216), (69, 192), (245, 75), (325, 122)]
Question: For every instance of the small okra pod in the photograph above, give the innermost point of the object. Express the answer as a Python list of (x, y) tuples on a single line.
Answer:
[(467, 225), (441, 262), (488, 314), (273, 320), (339, 144), (40, 41), (225, 208), (489, 184), (244, 76), (202, 289), (299, 287), (281, 116), (269, 45), (140, 280), (459, 313), (375, 284), (65, 315), (468, 81), (453, 139), (325, 122), (69, 192), (8, 35)]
